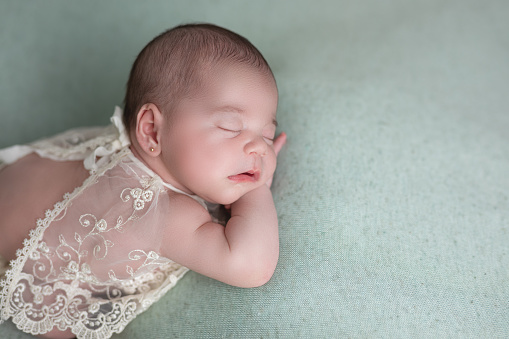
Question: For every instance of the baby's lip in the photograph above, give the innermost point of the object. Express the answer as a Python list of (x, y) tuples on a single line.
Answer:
[(252, 175)]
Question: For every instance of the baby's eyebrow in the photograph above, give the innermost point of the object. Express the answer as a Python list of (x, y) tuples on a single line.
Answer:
[(229, 109), (233, 109)]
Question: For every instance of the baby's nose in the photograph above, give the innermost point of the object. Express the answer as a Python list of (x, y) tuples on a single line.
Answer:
[(256, 146)]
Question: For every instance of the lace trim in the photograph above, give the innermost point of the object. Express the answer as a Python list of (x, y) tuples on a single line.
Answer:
[(87, 317), (94, 150), (65, 311)]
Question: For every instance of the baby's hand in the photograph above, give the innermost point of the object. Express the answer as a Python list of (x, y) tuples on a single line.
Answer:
[(279, 142)]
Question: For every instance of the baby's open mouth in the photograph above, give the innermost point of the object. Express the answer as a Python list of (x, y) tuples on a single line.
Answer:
[(249, 176)]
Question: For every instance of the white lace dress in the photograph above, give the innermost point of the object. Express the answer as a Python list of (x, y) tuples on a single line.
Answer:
[(80, 268)]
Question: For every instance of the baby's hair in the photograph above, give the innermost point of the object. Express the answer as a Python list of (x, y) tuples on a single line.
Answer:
[(169, 66)]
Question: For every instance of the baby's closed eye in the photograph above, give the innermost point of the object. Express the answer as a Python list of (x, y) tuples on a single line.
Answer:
[(229, 130), (269, 139), (269, 135)]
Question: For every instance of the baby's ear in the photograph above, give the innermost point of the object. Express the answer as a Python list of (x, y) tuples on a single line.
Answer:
[(148, 126)]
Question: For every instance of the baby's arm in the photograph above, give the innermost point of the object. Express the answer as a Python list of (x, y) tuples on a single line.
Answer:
[(244, 253), (252, 234)]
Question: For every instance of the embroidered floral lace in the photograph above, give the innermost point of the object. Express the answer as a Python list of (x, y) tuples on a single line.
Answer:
[(93, 262)]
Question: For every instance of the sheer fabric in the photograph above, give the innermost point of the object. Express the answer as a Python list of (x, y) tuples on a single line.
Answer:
[(94, 261)]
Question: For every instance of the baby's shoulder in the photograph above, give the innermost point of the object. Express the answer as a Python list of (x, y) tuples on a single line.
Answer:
[(186, 210), (184, 216)]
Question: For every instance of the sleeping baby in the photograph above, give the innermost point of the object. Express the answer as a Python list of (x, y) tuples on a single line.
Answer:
[(99, 223)]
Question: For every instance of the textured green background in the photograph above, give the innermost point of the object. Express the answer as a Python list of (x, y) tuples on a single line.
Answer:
[(392, 191)]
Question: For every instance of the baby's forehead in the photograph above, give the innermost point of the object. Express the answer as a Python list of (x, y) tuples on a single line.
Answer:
[(213, 77)]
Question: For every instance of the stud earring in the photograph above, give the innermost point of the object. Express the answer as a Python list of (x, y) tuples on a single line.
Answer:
[(152, 149)]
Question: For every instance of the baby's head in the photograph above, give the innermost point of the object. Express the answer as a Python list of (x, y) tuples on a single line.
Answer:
[(201, 108), (173, 64)]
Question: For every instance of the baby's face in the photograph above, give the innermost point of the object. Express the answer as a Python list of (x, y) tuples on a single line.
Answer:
[(218, 144)]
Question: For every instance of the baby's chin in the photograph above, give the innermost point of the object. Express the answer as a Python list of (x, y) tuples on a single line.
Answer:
[(229, 198), (225, 200)]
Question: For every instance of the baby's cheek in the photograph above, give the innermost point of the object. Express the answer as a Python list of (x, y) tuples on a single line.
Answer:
[(271, 165)]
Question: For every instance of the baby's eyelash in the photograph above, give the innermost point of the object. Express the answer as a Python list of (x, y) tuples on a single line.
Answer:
[(228, 130), (270, 141)]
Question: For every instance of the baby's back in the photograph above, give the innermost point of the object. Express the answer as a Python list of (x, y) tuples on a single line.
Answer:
[(28, 188)]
